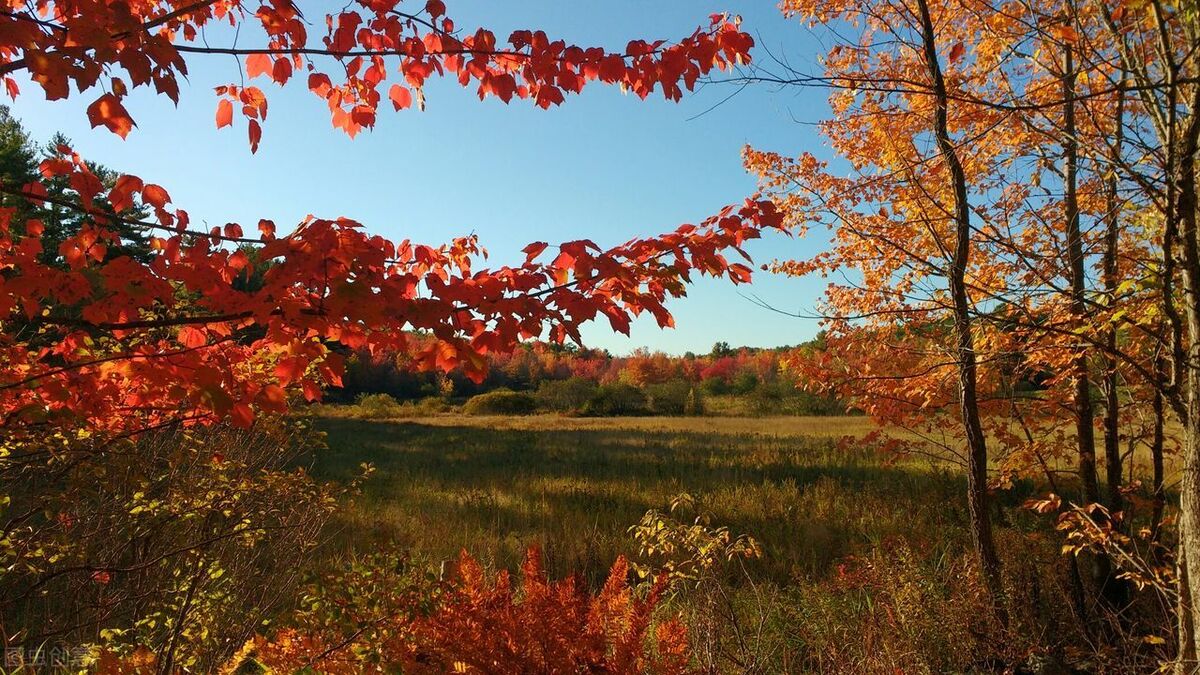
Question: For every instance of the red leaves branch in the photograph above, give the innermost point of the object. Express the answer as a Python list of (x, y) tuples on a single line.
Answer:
[(146, 43), (125, 343)]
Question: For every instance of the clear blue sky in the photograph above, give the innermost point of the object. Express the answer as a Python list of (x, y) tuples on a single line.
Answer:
[(604, 166)]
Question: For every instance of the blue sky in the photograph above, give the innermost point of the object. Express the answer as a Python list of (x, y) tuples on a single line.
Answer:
[(604, 166)]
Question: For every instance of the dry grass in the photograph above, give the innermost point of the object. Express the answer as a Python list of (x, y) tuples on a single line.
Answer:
[(866, 562), (493, 485)]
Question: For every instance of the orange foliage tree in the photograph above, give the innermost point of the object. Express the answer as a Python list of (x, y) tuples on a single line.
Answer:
[(1001, 229)]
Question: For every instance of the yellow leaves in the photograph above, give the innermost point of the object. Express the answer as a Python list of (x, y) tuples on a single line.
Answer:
[(1051, 504)]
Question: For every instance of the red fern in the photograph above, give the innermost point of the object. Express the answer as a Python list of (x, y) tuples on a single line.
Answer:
[(547, 626), (482, 625)]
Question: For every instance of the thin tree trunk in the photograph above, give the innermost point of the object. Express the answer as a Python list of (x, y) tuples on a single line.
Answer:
[(1178, 144), (1113, 591), (977, 496), (1082, 397), (1156, 452), (1098, 567), (1112, 403)]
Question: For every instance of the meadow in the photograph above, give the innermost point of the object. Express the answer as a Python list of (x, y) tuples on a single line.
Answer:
[(494, 485), (848, 536)]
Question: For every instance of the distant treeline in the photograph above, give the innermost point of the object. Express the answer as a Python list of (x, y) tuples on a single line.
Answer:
[(543, 377)]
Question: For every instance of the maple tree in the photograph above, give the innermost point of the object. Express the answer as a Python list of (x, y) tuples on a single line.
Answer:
[(89, 45), (183, 337), (121, 318), (178, 330)]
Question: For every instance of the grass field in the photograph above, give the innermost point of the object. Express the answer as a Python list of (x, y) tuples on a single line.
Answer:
[(575, 485), (866, 562)]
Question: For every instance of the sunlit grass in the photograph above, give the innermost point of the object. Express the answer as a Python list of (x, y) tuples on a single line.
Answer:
[(493, 485)]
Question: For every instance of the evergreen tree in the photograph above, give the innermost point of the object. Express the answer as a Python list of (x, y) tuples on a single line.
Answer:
[(18, 166), (20, 157), (63, 222)]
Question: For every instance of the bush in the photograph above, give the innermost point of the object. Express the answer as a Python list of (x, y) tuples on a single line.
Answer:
[(745, 382), (676, 397), (383, 407), (179, 542), (386, 622), (899, 609), (617, 399), (377, 406), (430, 405), (783, 398), (716, 386), (566, 395), (501, 402)]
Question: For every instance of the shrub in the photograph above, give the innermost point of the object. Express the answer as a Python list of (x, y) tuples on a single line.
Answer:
[(617, 399), (715, 386), (713, 590), (676, 397), (430, 405), (377, 406), (897, 609), (783, 398), (745, 382), (384, 407), (472, 624), (501, 402), (180, 543), (565, 396)]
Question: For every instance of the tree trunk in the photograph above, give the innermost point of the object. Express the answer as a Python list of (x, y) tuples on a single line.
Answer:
[(1189, 485), (1157, 442), (1185, 662), (1113, 591), (1112, 403), (977, 496), (1082, 397)]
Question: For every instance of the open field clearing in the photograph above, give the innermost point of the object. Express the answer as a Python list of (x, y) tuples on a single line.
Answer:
[(786, 426), (865, 563), (494, 485)]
